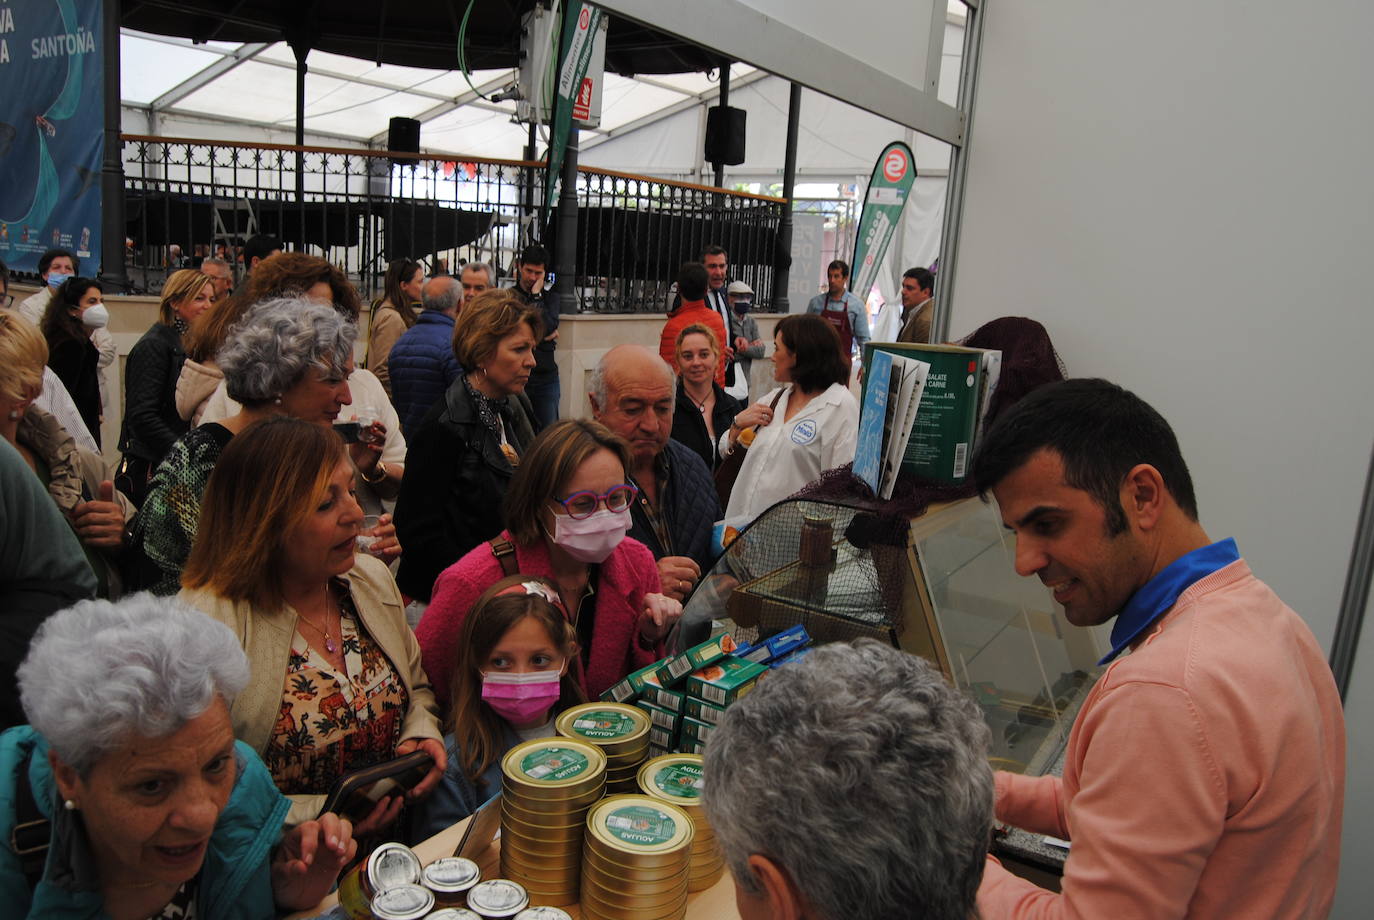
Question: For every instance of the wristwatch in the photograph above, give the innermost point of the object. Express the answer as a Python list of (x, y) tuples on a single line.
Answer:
[(379, 470)]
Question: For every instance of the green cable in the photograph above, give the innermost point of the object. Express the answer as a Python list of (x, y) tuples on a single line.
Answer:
[(462, 58)]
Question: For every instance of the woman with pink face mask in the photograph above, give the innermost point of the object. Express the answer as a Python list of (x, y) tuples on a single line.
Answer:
[(567, 512), (515, 671)]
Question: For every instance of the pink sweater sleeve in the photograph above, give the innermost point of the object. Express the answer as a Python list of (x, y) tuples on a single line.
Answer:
[(1032, 803), (1148, 811), (439, 627)]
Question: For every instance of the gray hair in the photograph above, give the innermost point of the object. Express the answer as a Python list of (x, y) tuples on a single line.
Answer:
[(864, 776), (216, 260), (269, 350), (441, 294), (479, 267), (100, 672), (596, 381)]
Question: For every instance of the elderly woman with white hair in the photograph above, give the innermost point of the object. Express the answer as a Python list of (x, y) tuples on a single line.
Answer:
[(852, 785), (128, 797), (287, 356)]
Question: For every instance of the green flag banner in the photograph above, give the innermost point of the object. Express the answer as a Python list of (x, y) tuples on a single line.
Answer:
[(893, 176), (580, 22)]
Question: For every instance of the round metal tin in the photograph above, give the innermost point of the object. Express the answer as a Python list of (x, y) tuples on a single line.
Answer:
[(677, 778), (402, 902), (541, 859), (552, 806), (614, 910), (450, 878), (614, 727), (389, 865), (632, 900), (453, 913), (553, 768), (702, 882), (639, 830), (514, 817), (543, 913), (626, 875), (611, 886), (597, 912), (498, 898)]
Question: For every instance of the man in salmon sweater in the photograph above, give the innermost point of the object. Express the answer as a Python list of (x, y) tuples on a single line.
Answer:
[(1205, 772)]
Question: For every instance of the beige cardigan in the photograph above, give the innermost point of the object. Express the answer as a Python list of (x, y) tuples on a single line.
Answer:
[(266, 637)]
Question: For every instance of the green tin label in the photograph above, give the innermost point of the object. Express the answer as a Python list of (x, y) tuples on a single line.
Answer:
[(552, 764), (641, 826), (683, 780), (604, 724)]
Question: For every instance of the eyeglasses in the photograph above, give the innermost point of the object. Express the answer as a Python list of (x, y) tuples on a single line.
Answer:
[(581, 505)]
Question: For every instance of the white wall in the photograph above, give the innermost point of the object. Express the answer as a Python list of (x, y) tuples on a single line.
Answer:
[(1180, 192)]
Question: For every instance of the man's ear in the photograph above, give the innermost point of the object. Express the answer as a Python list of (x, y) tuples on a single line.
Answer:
[(69, 784), (596, 409), (1143, 496), (783, 899)]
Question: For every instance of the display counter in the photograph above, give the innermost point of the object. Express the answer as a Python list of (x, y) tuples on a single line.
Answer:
[(715, 903)]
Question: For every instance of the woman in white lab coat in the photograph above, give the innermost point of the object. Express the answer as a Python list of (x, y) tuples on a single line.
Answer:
[(807, 426)]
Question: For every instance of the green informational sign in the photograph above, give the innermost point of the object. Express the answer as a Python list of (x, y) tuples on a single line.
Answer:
[(888, 189), (580, 22)]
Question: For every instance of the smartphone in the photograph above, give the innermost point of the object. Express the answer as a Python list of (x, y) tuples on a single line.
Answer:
[(351, 432), (355, 795)]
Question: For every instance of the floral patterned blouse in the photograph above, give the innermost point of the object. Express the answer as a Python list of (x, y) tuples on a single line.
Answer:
[(332, 724)]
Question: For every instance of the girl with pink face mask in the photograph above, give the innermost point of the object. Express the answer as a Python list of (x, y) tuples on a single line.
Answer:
[(515, 670)]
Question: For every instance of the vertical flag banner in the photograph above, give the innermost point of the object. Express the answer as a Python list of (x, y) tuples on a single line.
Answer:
[(580, 22), (51, 129), (888, 190)]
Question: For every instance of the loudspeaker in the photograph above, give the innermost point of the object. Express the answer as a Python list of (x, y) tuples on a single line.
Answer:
[(403, 136), (725, 135)]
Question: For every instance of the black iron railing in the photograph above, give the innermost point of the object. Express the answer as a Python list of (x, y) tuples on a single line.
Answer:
[(188, 199)]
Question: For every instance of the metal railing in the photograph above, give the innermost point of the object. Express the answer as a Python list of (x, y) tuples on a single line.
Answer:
[(187, 199)]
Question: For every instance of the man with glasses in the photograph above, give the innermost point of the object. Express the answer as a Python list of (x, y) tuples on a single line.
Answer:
[(632, 393), (53, 398)]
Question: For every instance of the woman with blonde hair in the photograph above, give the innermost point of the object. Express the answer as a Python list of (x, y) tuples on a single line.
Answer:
[(151, 422), (567, 516), (75, 478), (336, 679), (471, 441), (703, 409)]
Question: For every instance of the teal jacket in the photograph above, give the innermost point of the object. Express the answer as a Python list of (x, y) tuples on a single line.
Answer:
[(235, 879)]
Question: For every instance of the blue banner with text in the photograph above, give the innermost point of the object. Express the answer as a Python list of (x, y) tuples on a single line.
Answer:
[(51, 130)]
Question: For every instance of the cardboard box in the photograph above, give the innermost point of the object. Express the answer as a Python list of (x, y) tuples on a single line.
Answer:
[(703, 711), (671, 700), (660, 716), (776, 646), (632, 686), (712, 650), (724, 681), (695, 730), (661, 737)]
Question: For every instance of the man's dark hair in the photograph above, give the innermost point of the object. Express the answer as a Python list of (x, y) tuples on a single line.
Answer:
[(841, 264), (1099, 430), (923, 277), (259, 247), (816, 346), (714, 249), (534, 254), (692, 280), (46, 259)]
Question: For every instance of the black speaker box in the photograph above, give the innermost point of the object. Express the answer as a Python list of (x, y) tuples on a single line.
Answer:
[(403, 135), (725, 135)]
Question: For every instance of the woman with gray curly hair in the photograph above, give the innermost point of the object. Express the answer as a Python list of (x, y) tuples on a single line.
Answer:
[(128, 797), (287, 356), (852, 785)]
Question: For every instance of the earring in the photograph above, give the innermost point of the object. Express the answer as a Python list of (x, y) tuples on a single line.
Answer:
[(277, 401), (69, 805)]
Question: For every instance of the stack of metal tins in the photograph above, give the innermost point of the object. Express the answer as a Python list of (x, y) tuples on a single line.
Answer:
[(619, 730), (636, 859), (678, 778), (547, 786)]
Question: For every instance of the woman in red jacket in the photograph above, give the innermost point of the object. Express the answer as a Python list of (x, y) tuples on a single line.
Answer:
[(567, 513)]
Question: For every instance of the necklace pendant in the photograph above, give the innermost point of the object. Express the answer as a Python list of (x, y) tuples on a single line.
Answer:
[(330, 644)]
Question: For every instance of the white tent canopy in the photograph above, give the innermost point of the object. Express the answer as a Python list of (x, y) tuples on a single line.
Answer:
[(171, 87)]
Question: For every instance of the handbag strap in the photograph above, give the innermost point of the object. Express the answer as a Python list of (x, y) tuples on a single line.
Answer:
[(29, 839), (504, 551)]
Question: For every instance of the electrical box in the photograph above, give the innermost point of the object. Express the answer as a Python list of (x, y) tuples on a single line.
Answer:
[(539, 71)]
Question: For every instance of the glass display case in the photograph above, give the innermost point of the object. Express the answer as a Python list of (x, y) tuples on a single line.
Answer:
[(941, 586)]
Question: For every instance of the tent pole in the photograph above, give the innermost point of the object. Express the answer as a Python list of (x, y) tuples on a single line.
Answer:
[(302, 50), (724, 103), (782, 272), (565, 243), (112, 226)]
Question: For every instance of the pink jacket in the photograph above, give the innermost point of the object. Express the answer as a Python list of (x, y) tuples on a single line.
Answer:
[(1204, 776), (626, 576)]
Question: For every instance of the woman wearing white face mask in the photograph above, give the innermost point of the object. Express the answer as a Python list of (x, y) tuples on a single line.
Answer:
[(74, 313), (513, 673), (567, 513)]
